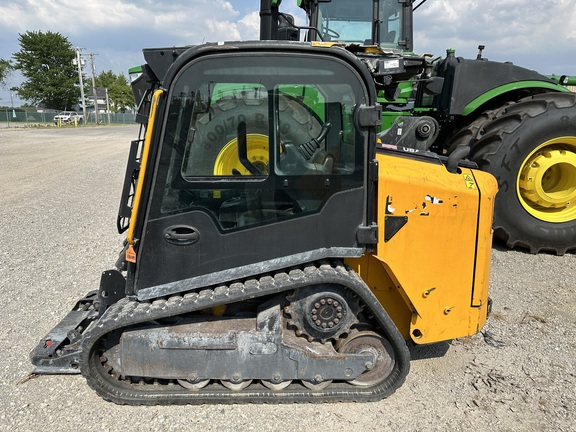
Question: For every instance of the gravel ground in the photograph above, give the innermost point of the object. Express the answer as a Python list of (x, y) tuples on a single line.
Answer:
[(59, 195)]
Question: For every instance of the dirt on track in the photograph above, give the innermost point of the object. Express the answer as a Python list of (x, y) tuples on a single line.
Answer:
[(59, 196)]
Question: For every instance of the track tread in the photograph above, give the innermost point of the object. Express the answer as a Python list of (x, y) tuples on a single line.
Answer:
[(129, 312)]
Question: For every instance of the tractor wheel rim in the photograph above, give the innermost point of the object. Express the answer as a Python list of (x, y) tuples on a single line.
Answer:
[(227, 162), (546, 183)]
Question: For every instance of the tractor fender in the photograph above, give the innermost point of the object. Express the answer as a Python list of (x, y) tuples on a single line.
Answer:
[(491, 81)]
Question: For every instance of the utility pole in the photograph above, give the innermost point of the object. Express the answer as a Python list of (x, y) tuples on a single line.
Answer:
[(93, 67), (107, 105), (79, 61)]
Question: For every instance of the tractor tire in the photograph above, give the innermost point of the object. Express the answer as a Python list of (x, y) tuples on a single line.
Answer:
[(530, 147), (472, 131), (218, 133)]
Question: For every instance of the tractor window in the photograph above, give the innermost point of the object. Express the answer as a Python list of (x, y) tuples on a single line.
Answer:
[(323, 117), (253, 140), (228, 118), (352, 22)]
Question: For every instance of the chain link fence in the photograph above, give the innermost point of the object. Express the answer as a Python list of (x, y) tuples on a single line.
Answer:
[(19, 117)]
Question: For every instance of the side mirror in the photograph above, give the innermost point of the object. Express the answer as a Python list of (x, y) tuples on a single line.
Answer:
[(286, 28)]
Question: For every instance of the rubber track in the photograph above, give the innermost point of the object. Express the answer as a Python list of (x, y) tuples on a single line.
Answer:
[(130, 312)]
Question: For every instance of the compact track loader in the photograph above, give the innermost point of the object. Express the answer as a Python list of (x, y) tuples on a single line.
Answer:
[(277, 250)]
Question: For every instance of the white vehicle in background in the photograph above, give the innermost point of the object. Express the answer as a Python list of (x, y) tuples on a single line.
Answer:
[(68, 117)]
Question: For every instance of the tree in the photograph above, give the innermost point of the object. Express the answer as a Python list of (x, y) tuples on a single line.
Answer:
[(45, 61), (119, 90), (5, 69)]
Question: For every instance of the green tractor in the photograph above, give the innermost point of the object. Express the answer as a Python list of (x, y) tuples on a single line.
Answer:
[(513, 122)]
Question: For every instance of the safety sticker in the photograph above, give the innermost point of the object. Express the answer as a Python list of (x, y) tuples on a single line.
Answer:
[(130, 254), (469, 180)]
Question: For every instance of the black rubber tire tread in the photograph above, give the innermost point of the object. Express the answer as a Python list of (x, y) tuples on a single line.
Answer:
[(219, 126), (500, 147), (129, 312), (473, 131)]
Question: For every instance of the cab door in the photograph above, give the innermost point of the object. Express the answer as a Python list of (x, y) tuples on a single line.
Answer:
[(260, 166)]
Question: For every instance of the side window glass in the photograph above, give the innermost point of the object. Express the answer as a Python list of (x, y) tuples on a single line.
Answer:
[(318, 132), (346, 21), (390, 17), (271, 147), (225, 119)]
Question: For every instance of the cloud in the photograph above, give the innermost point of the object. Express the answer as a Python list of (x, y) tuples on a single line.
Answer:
[(249, 26), (74, 16), (118, 30), (183, 22), (537, 35)]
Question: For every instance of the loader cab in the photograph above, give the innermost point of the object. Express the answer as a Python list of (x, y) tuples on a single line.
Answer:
[(386, 23), (257, 158)]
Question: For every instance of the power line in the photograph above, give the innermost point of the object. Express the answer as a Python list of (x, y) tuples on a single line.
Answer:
[(419, 4)]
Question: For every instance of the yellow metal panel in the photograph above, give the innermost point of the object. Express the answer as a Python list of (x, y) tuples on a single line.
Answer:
[(434, 246), (143, 163), (385, 289), (489, 187)]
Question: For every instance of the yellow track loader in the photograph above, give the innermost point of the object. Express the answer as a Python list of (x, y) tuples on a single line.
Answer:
[(277, 250)]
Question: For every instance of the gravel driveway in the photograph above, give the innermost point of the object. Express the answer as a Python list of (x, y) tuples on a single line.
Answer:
[(59, 196)]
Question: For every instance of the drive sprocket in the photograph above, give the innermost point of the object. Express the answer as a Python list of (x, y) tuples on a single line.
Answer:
[(322, 312)]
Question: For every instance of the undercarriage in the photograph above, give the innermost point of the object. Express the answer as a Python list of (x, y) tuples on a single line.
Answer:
[(313, 333)]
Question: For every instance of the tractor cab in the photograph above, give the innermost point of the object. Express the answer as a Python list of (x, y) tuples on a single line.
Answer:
[(386, 23)]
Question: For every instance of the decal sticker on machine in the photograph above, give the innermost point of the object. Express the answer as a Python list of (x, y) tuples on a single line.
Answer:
[(469, 180)]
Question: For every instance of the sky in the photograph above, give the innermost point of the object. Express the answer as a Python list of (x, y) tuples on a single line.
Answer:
[(536, 34)]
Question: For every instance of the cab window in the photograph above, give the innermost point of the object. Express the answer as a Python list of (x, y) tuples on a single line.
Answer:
[(256, 140)]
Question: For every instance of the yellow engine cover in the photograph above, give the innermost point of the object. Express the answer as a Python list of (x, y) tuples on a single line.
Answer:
[(431, 266)]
